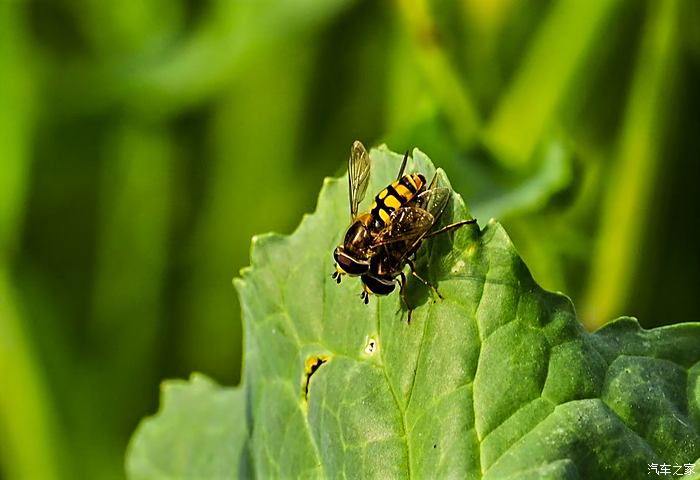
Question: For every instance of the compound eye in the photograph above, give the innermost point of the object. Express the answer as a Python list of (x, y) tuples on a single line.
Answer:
[(350, 265), (378, 286)]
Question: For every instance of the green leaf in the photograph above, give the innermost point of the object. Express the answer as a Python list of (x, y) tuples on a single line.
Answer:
[(200, 432), (498, 380)]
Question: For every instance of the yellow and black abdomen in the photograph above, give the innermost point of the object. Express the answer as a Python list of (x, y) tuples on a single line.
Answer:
[(397, 194)]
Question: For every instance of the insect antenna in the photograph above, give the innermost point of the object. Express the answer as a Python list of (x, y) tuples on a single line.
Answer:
[(403, 165)]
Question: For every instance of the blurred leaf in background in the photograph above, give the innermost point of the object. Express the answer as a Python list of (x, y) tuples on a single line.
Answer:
[(145, 142)]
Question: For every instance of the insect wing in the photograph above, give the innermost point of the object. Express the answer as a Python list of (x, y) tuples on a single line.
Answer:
[(359, 167), (434, 201), (408, 224)]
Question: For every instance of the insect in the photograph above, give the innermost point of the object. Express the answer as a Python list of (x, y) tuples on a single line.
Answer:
[(397, 244), (353, 256), (380, 243)]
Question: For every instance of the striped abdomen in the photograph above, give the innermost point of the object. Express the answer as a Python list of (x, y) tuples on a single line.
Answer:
[(396, 195)]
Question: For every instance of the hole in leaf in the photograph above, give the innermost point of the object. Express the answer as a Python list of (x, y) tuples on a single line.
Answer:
[(371, 346), (313, 363)]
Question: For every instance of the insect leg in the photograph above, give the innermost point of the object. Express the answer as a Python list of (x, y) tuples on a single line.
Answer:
[(425, 282), (452, 226), (364, 296), (402, 291), (403, 165)]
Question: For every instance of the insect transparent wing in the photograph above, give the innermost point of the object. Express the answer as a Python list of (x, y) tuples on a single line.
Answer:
[(407, 224), (434, 201), (359, 167), (431, 203)]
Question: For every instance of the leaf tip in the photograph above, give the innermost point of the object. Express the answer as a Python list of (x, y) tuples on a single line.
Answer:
[(239, 282)]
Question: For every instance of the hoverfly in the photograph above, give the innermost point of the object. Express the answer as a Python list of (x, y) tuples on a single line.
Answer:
[(397, 244), (381, 242), (353, 256)]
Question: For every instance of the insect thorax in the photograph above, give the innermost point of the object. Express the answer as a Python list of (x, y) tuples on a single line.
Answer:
[(358, 238)]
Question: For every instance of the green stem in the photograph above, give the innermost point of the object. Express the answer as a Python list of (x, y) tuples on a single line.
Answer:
[(528, 106), (624, 219), (444, 82), (135, 211), (27, 426)]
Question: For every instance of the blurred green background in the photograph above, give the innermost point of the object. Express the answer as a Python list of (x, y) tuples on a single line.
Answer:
[(143, 143)]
